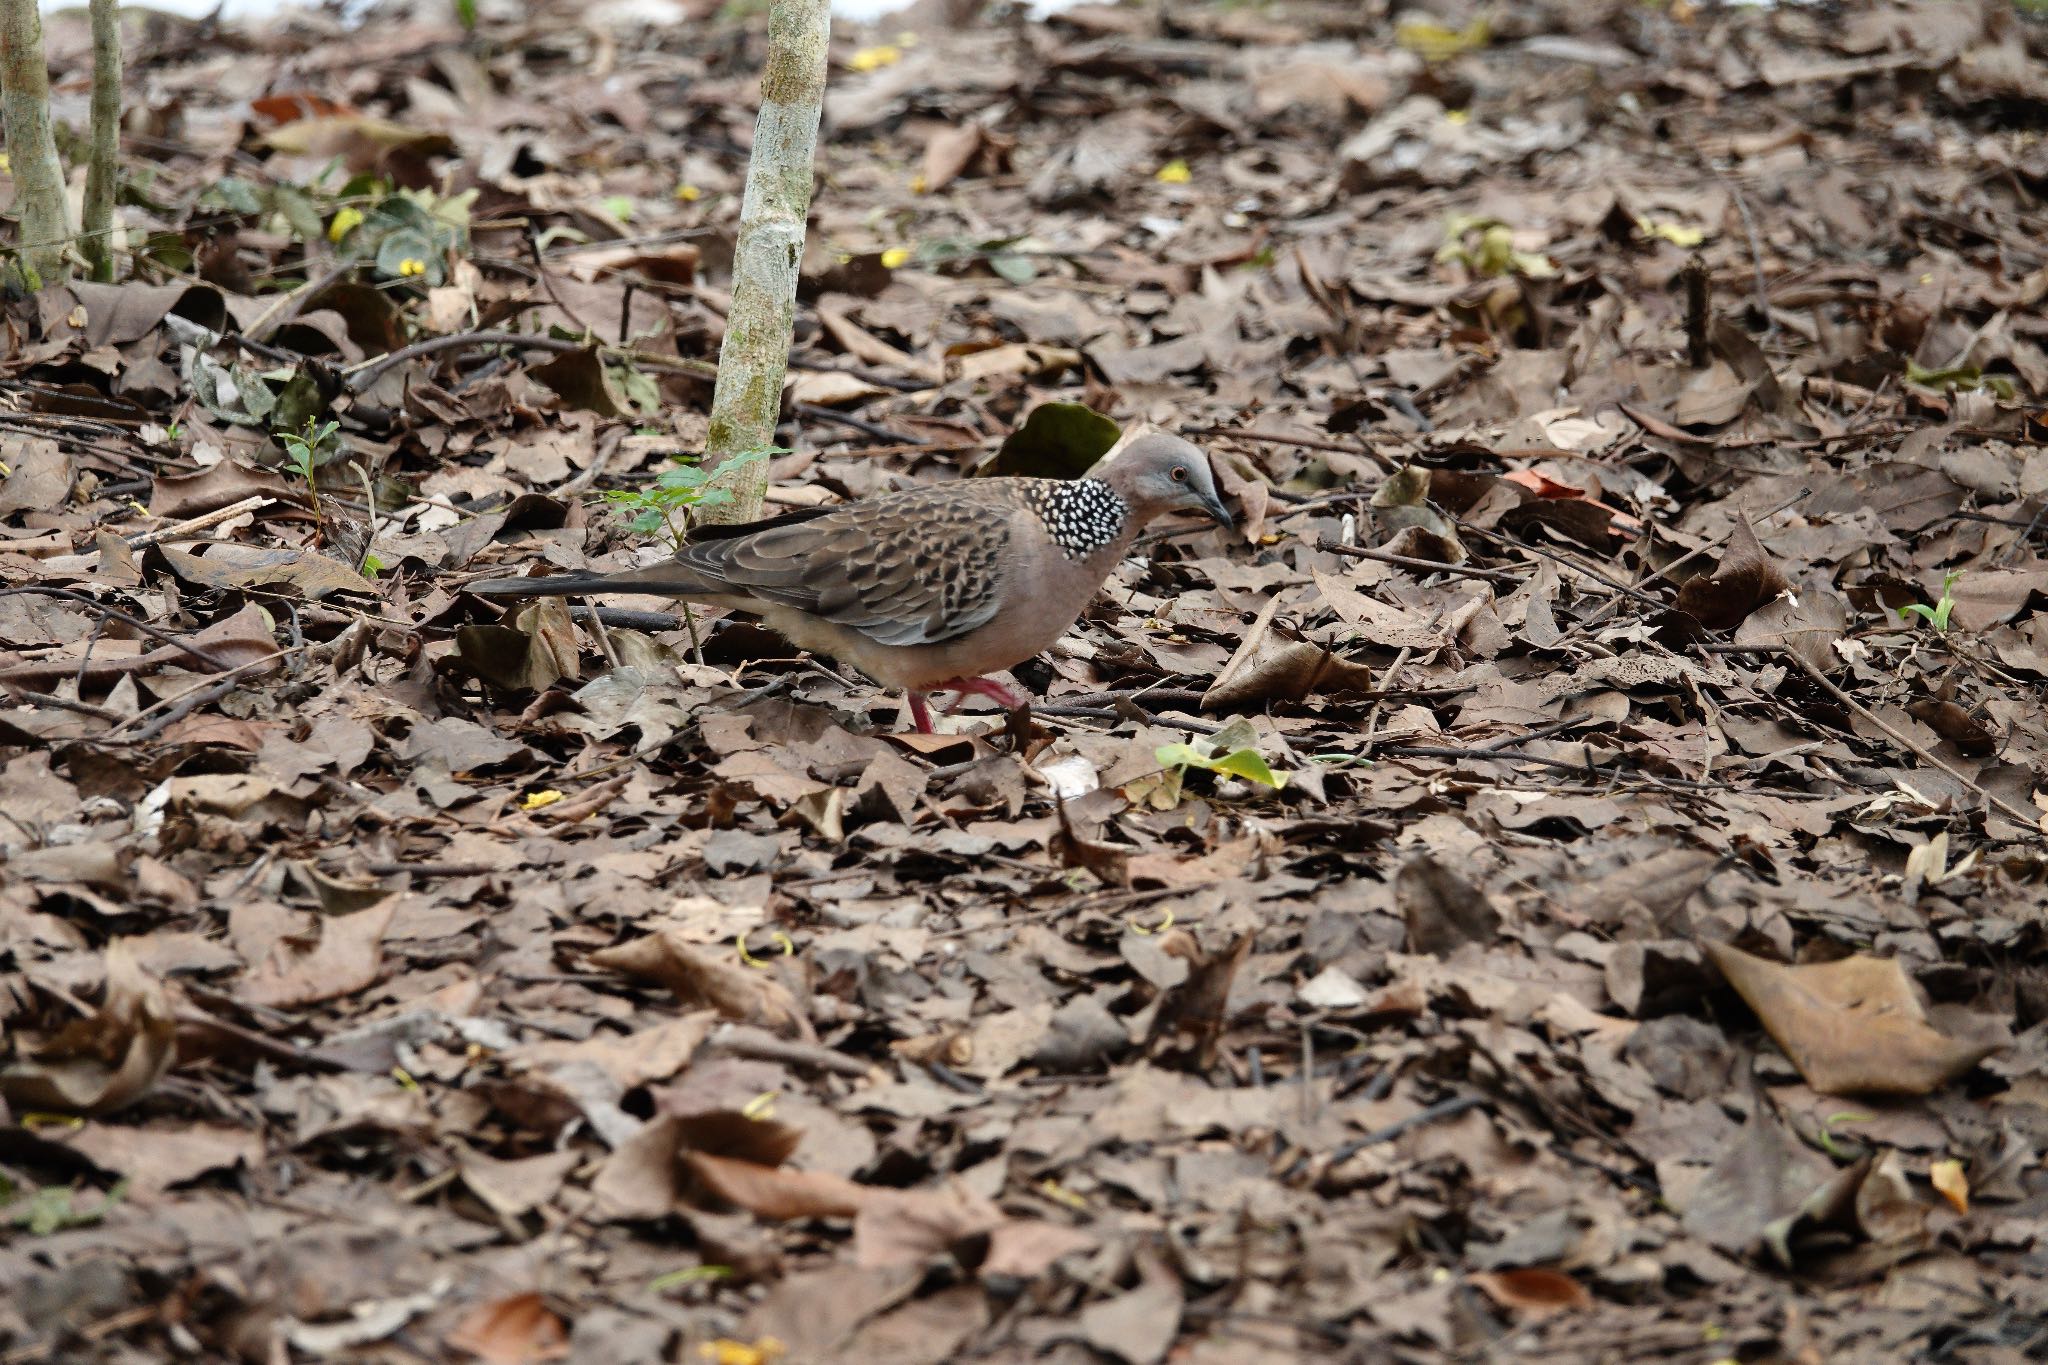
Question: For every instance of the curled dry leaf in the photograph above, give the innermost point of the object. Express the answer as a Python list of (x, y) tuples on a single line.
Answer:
[(1744, 581), (1533, 1292), (750, 995), (514, 1331), (1853, 1027), (98, 1064)]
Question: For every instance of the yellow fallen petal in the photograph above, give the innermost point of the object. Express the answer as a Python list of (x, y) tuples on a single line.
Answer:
[(896, 257), (540, 800), (689, 194), (345, 222), (1174, 172), (412, 265), (918, 184), (1951, 1184), (874, 58), (726, 1351)]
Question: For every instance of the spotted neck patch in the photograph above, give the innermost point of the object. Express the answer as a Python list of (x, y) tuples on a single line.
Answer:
[(1081, 515)]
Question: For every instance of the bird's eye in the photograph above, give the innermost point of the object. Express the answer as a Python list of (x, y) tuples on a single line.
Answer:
[(1180, 473)]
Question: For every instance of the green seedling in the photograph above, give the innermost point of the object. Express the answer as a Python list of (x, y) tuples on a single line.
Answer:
[(664, 506), (305, 452), (1936, 615), (1226, 752)]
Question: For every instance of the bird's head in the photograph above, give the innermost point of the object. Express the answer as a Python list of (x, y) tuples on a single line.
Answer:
[(1157, 474)]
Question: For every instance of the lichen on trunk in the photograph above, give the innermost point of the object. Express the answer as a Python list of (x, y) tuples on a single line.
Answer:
[(766, 258), (31, 146)]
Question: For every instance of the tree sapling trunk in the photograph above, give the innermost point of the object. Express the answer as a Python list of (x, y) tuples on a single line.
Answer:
[(31, 147), (97, 235), (766, 258)]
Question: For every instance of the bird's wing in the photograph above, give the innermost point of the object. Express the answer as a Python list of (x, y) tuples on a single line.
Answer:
[(909, 568)]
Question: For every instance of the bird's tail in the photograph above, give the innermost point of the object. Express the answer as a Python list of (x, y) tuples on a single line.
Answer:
[(665, 579)]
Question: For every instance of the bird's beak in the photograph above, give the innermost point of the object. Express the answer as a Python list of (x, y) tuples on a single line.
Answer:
[(1218, 513)]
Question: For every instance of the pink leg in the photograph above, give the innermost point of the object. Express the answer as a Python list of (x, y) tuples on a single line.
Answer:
[(920, 714), (1009, 698)]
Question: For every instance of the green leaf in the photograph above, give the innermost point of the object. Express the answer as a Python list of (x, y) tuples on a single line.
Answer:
[(1244, 763), (1057, 441), (409, 254), (1247, 764), (465, 14), (1015, 269)]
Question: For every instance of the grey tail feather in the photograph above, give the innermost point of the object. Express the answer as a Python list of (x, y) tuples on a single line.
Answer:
[(555, 585)]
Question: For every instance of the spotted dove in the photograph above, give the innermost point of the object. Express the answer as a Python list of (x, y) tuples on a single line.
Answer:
[(927, 589)]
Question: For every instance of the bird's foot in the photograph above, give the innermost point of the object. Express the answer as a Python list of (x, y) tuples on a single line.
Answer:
[(1009, 698), (920, 712)]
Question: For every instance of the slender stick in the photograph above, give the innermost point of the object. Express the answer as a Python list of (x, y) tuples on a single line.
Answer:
[(2004, 807), (178, 530), (101, 170)]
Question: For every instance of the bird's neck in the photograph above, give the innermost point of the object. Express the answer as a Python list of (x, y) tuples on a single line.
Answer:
[(1083, 518)]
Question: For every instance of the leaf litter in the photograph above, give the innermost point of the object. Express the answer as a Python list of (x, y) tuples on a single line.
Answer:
[(1564, 881)]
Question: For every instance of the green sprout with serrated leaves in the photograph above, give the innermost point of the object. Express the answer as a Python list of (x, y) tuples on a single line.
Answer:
[(664, 506), (1938, 614), (304, 452)]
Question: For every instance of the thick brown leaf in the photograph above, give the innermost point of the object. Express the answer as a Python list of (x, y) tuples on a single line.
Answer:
[(1745, 580), (1853, 1027)]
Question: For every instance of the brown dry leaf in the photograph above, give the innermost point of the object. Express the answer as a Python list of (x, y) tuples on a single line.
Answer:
[(518, 1330), (347, 957), (1268, 667), (153, 1159), (1852, 1027), (1744, 580), (517, 1187), (538, 649), (949, 151), (909, 1227), (1534, 1293), (1191, 1015), (747, 994), (174, 497), (1442, 910), (230, 566), (774, 1192), (99, 1064), (1761, 1176), (1139, 1326)]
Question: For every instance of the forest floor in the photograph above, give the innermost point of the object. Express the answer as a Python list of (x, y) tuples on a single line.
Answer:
[(1563, 881)]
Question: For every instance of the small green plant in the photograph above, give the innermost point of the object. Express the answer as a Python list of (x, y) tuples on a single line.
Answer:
[(1228, 751), (1486, 247), (664, 506), (305, 451), (406, 235), (51, 1209), (1936, 615), (1961, 378)]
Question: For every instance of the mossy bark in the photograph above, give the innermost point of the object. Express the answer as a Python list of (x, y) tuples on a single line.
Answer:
[(767, 257), (31, 147), (97, 235)]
